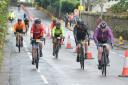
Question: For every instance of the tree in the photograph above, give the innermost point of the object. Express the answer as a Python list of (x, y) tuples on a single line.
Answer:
[(120, 7)]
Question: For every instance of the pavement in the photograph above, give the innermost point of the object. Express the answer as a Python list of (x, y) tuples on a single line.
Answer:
[(17, 68)]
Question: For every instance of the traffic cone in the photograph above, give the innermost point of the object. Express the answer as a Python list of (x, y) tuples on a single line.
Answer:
[(69, 46), (89, 55), (125, 66)]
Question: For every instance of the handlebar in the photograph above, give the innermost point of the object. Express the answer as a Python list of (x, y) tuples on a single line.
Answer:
[(39, 40)]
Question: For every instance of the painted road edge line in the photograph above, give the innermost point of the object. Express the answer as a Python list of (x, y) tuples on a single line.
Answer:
[(41, 75)]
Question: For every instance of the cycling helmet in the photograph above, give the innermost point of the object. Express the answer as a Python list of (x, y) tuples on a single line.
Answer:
[(37, 21), (19, 20), (58, 25), (103, 25)]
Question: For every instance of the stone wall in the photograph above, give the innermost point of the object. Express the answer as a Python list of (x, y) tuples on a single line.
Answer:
[(119, 25)]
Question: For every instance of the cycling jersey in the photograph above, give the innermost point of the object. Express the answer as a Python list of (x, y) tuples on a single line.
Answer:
[(20, 26), (81, 32), (57, 32), (103, 37), (37, 32)]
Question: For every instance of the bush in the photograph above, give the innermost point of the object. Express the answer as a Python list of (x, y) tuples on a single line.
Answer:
[(120, 7), (3, 26), (68, 6)]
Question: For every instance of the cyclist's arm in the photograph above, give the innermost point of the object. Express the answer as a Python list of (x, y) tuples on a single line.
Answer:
[(95, 36), (63, 32), (14, 27), (53, 31), (31, 33), (111, 36)]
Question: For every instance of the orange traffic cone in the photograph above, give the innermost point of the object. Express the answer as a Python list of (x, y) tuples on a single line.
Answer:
[(125, 66), (69, 46), (89, 55)]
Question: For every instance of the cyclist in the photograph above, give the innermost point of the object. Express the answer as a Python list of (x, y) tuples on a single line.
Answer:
[(103, 34), (19, 26), (11, 16), (19, 5), (82, 36), (24, 16), (57, 32), (26, 21), (37, 32)]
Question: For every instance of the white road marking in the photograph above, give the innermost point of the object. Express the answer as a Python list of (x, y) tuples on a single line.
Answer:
[(41, 75)]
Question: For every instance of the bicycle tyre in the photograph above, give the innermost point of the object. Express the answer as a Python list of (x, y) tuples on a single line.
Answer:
[(82, 57), (57, 50), (82, 64), (37, 60), (104, 62), (19, 45)]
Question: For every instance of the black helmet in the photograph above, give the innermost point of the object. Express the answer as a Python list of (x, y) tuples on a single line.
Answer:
[(19, 20), (37, 21), (58, 25), (103, 25)]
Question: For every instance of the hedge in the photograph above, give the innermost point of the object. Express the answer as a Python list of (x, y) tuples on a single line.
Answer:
[(3, 25)]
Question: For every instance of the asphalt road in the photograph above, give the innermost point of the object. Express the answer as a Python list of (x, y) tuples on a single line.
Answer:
[(62, 71)]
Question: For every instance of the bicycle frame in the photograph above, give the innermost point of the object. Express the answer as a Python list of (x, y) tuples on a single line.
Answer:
[(19, 39)]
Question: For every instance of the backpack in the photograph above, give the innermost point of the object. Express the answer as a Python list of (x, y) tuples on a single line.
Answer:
[(84, 29)]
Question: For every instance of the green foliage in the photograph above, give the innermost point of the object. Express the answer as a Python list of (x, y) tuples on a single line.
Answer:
[(120, 7), (53, 5), (3, 19), (67, 6)]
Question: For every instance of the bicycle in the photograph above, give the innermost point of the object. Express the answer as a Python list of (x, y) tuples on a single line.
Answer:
[(38, 50), (57, 46), (19, 41), (104, 59)]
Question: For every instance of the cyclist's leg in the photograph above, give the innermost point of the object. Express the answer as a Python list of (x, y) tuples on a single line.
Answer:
[(21, 41), (108, 50), (78, 51), (100, 50), (33, 53), (53, 41), (40, 46), (86, 48), (16, 40)]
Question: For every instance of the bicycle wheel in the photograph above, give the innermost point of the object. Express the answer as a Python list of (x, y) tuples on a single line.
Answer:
[(57, 50), (104, 62), (37, 60), (19, 43), (104, 70)]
